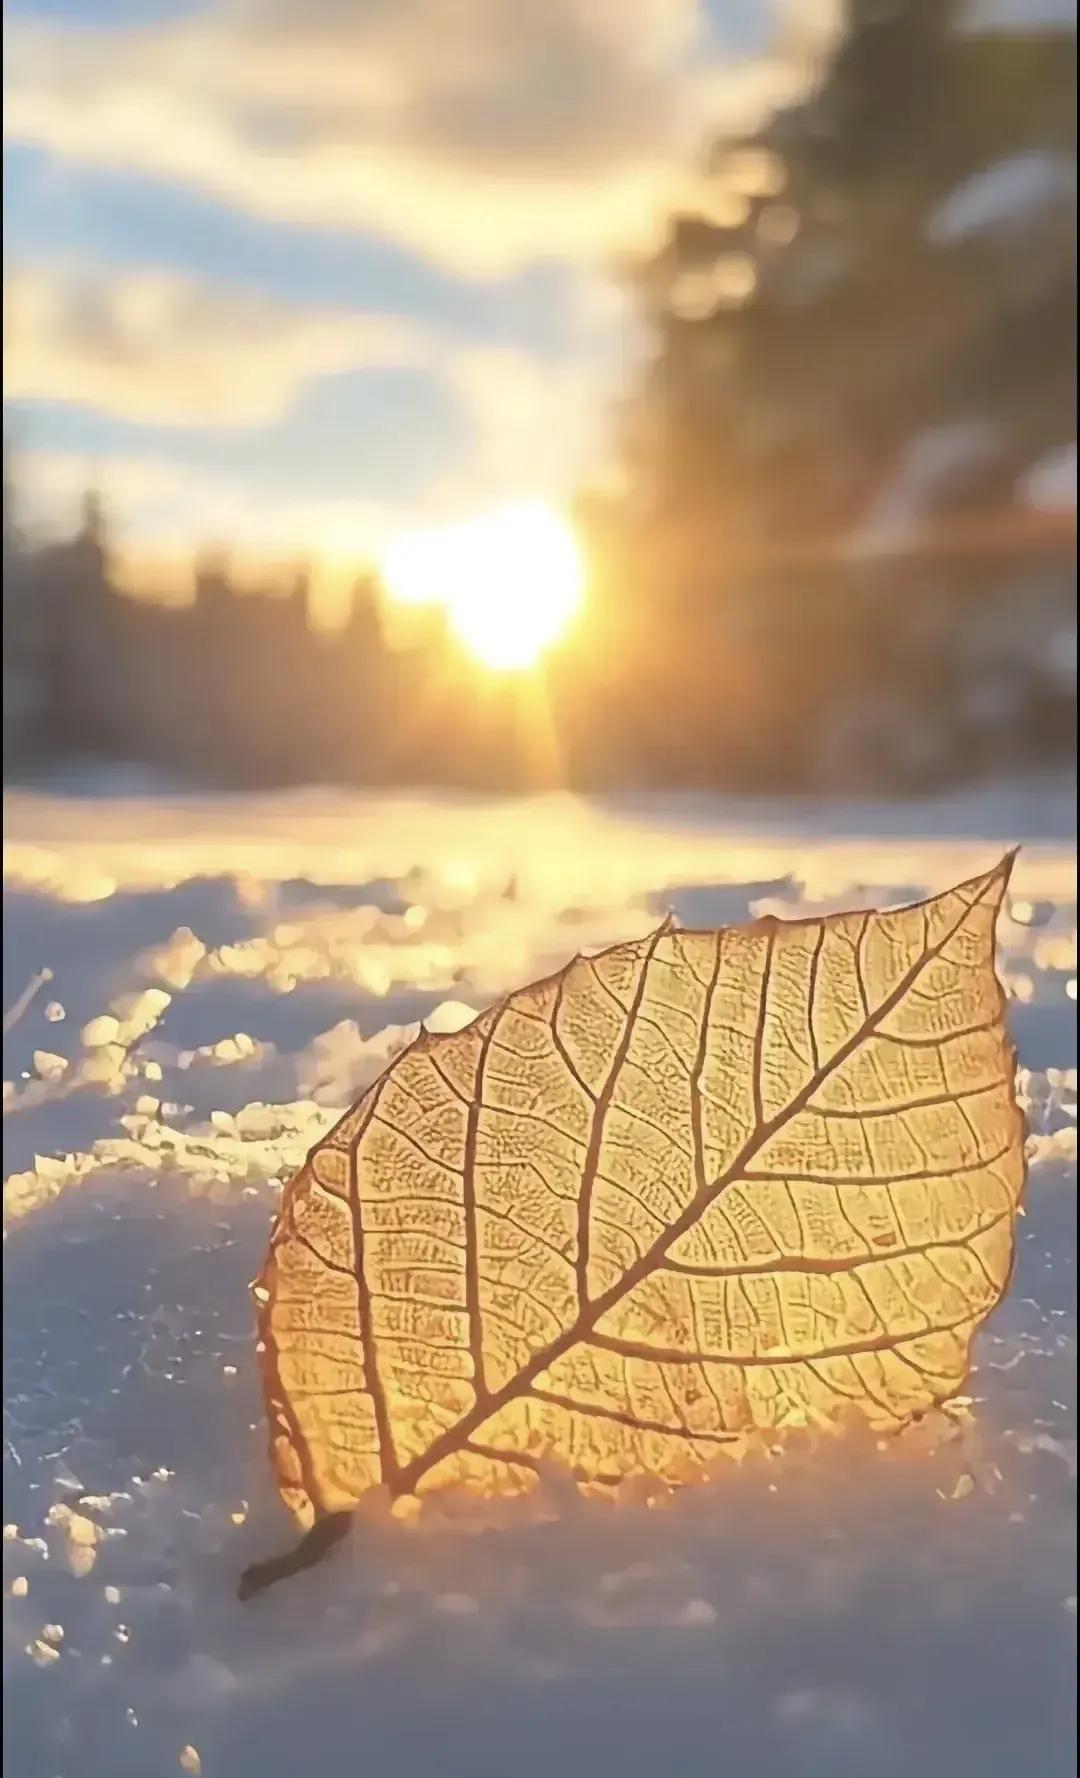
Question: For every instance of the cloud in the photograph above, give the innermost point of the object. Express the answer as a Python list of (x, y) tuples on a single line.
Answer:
[(533, 427), (160, 348), (535, 424), (486, 135), (147, 347)]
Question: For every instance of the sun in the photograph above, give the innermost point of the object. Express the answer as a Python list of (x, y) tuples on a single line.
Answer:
[(510, 581)]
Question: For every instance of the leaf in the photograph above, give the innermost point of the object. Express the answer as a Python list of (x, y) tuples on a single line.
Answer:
[(700, 1184)]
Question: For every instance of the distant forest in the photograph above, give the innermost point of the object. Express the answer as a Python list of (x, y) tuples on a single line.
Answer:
[(843, 556)]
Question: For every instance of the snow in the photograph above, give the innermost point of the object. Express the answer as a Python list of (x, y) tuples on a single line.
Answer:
[(1004, 196), (928, 464), (231, 971), (1027, 16), (1050, 485)]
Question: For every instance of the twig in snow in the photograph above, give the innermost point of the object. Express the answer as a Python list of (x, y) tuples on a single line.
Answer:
[(15, 1012)]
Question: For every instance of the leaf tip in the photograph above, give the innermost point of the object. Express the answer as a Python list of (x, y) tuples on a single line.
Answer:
[(1005, 868), (1001, 874)]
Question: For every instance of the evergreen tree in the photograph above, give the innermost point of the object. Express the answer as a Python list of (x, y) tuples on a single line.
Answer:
[(864, 337), (897, 253)]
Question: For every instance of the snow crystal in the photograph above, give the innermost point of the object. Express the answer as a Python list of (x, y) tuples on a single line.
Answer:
[(49, 1066)]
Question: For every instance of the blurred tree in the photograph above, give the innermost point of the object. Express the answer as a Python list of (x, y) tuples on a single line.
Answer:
[(895, 254), (22, 638), (863, 335)]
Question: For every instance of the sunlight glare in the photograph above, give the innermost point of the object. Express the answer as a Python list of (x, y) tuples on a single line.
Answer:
[(510, 581)]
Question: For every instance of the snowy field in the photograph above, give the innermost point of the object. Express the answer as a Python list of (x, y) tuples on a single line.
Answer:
[(225, 975)]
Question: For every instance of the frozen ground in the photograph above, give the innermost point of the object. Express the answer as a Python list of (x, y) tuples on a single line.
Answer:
[(225, 974)]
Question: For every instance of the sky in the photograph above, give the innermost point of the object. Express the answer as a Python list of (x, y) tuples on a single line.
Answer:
[(301, 275)]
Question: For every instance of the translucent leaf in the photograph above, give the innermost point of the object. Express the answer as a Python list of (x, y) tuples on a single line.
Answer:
[(700, 1184)]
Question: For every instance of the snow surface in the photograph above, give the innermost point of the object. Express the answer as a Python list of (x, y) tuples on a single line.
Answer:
[(225, 974), (1005, 196), (1050, 484), (1027, 16), (927, 465)]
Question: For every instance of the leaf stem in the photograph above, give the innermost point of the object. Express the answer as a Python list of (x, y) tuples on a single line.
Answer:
[(324, 1535)]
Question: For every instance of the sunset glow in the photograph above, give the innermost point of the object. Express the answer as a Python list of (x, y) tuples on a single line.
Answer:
[(510, 581)]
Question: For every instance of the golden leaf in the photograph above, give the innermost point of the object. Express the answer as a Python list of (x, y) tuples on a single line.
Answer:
[(697, 1185)]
